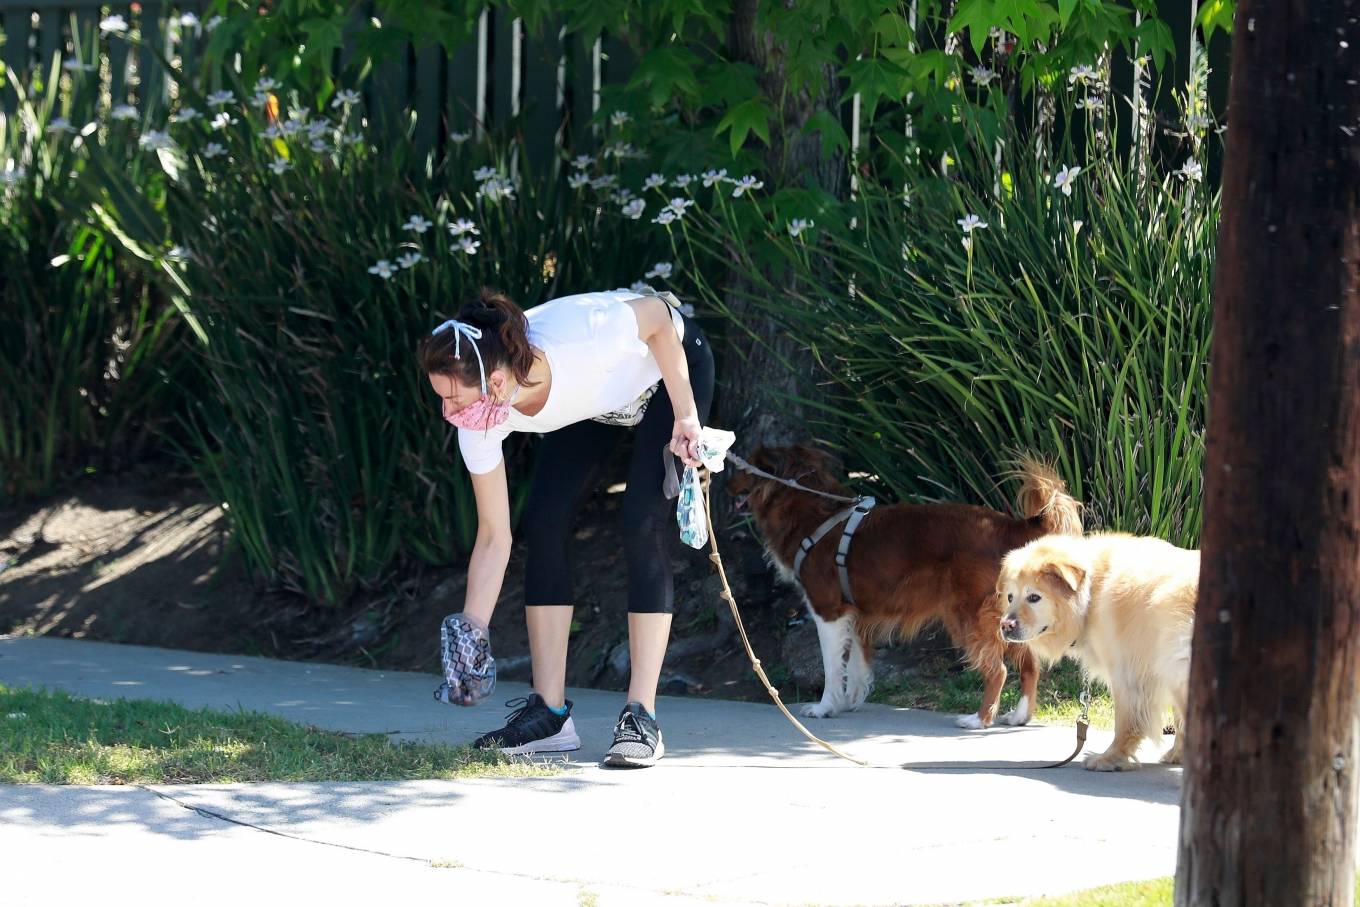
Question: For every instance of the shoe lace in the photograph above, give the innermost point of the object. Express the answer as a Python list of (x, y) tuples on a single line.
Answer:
[(629, 728), (519, 706)]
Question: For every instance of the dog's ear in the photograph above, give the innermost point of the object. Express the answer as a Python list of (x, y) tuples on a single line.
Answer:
[(1065, 572), (1068, 574)]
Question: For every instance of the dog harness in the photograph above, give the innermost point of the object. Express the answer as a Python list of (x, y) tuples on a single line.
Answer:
[(852, 517)]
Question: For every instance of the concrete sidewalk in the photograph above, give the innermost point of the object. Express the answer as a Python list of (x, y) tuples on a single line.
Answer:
[(741, 811)]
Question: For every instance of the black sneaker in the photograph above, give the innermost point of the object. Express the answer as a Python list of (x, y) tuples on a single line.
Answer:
[(532, 728), (637, 739)]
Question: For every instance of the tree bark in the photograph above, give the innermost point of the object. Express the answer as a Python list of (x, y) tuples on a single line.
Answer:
[(757, 387), (1268, 811)]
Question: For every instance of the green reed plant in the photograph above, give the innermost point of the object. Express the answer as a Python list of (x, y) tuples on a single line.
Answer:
[(89, 354), (1007, 304), (315, 257)]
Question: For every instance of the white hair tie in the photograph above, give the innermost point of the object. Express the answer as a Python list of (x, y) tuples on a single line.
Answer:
[(473, 334)]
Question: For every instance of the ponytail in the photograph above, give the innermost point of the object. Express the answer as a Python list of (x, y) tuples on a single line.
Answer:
[(504, 342)]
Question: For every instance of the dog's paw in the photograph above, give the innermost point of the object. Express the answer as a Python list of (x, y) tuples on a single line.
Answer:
[(817, 710), (1111, 762), (1173, 755), (971, 721), (1018, 715)]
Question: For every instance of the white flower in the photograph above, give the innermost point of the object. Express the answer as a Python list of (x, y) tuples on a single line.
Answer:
[(383, 269), (798, 225), (189, 20), (633, 209), (983, 75), (291, 128), (221, 99), (639, 287), (682, 180), (661, 269), (463, 225), (155, 141), (967, 243), (1191, 171), (113, 25), (74, 65), (1086, 104), (272, 131), (266, 84), (179, 253), (468, 245), (665, 217), (1077, 225), (345, 97), (483, 174), (259, 99), (223, 120), (1063, 179), (417, 223), (184, 115), (61, 124), (318, 128), (212, 150), (459, 138), (577, 180), (124, 112), (1198, 122), (604, 182), (17, 716), (655, 181), (353, 138), (214, 22), (619, 117), (621, 196), (1083, 73), (496, 188), (11, 175), (622, 150), (678, 205), (280, 165), (746, 183), (582, 162), (319, 145), (410, 259), (970, 223), (713, 176)]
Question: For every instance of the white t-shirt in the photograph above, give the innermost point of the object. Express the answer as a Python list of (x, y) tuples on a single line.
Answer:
[(601, 369)]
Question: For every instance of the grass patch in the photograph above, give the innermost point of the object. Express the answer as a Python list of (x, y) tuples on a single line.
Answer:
[(951, 690), (49, 737), (1151, 893)]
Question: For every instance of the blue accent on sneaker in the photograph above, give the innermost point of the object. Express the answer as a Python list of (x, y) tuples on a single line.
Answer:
[(560, 712)]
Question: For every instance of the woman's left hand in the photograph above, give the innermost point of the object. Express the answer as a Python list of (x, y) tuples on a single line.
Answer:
[(685, 440)]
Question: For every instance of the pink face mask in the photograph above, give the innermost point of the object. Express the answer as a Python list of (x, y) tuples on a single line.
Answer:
[(481, 414), (484, 413)]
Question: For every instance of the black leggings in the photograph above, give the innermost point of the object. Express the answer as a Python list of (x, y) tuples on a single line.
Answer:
[(569, 464)]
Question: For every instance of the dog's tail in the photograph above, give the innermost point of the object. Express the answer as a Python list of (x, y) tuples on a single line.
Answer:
[(1043, 495)]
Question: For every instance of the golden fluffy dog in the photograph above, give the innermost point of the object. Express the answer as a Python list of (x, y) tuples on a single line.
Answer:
[(1121, 605)]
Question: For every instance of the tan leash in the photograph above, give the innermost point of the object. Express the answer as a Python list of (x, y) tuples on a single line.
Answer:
[(1083, 722), (731, 600)]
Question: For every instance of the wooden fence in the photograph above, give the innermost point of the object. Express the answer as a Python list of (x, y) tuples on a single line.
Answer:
[(546, 82)]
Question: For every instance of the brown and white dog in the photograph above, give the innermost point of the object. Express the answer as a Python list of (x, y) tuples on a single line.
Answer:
[(1124, 607), (910, 565)]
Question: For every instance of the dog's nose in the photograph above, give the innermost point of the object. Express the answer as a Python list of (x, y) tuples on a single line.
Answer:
[(1009, 623)]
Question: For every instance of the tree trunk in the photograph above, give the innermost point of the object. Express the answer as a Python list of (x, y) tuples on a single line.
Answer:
[(1268, 814), (757, 384)]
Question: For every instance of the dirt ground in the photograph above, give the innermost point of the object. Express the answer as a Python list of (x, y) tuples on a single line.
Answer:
[(144, 558)]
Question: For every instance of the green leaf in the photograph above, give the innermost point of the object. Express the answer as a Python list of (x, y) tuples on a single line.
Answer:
[(752, 115), (1065, 10), (978, 16), (894, 29), (829, 127), (323, 38), (1215, 15), (667, 72)]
